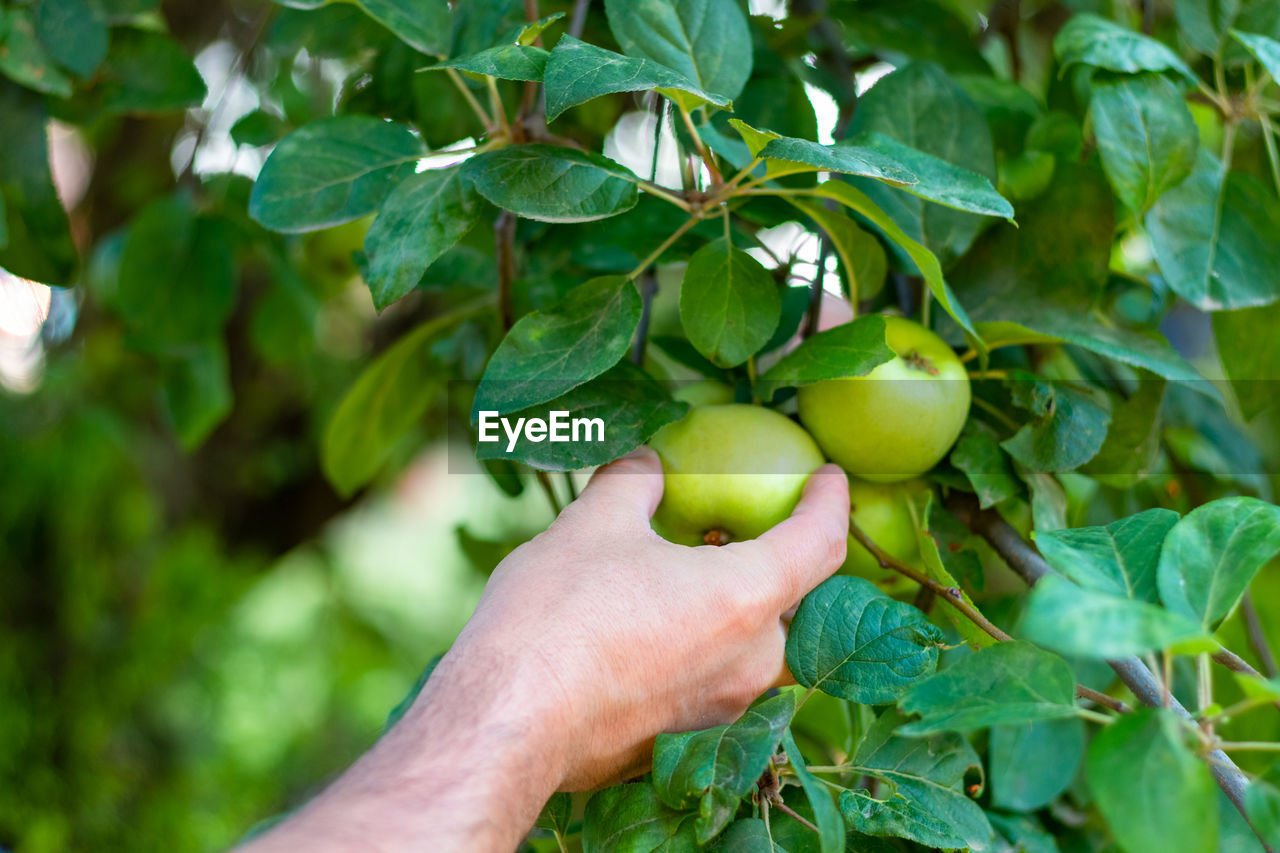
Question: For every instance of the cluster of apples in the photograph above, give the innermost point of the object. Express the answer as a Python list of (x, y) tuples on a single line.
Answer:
[(732, 471)]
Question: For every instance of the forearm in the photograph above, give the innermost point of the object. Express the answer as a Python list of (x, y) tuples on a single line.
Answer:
[(467, 769)]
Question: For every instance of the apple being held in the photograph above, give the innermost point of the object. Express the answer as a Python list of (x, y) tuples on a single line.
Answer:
[(900, 419), (731, 472)]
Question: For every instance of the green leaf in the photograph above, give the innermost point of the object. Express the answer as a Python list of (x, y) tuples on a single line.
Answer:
[(825, 814), (928, 772), (707, 41), (940, 32), (531, 32), (553, 184), (729, 304), (717, 767), (147, 72), (854, 642), (421, 24), (925, 260), (1250, 355), (1068, 426), (920, 106), (749, 835), (1012, 682), (923, 514), (1090, 624), (386, 401), (631, 819), (422, 218), (1213, 238), (1023, 834), (24, 60), (862, 258), (1119, 559), (38, 243), (196, 391), (897, 818), (628, 405), (1032, 764), (850, 349), (1155, 794), (178, 277), (555, 815), (74, 33), (332, 171), (505, 62), (846, 159), (1132, 447), (550, 352), (1091, 40), (578, 72), (985, 465), (1262, 805), (1207, 26), (258, 127), (1212, 555), (1146, 136), (1265, 50)]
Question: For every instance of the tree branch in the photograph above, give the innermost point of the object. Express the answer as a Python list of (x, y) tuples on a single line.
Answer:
[(578, 20), (1024, 559), (504, 233), (648, 284)]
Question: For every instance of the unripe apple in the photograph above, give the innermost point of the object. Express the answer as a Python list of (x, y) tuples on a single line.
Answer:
[(880, 510), (900, 419), (731, 472)]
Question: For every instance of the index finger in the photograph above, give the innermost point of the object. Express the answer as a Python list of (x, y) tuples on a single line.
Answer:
[(808, 547)]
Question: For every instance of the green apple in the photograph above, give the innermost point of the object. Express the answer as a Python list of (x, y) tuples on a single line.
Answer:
[(731, 472), (900, 419), (704, 392), (881, 511)]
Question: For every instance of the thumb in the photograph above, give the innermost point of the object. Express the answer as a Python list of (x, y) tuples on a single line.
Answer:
[(627, 490)]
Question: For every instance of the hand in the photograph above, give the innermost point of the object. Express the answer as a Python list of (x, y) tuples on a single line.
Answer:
[(589, 641)]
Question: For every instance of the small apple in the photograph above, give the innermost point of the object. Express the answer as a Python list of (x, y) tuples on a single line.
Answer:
[(731, 473), (704, 392), (880, 510), (900, 419)]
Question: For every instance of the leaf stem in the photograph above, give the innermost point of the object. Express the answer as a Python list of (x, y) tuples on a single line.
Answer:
[(1257, 636), (1102, 699), (716, 178), (1249, 746), (1094, 716), (485, 119), (545, 482), (1269, 139), (664, 194), (787, 810), (666, 244), (495, 104)]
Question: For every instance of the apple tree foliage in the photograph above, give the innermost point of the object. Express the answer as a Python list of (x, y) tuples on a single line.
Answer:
[(1080, 196)]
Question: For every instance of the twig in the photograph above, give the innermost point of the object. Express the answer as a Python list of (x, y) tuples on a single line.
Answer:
[(716, 178), (545, 482), (1258, 637), (815, 290), (787, 810), (578, 20), (949, 594), (648, 288), (504, 233), (1102, 699), (1024, 559)]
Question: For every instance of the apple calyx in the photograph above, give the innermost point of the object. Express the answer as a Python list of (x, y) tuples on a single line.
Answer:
[(716, 536), (916, 361)]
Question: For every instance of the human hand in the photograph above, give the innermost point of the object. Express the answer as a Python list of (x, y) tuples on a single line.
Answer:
[(629, 635), (589, 641)]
